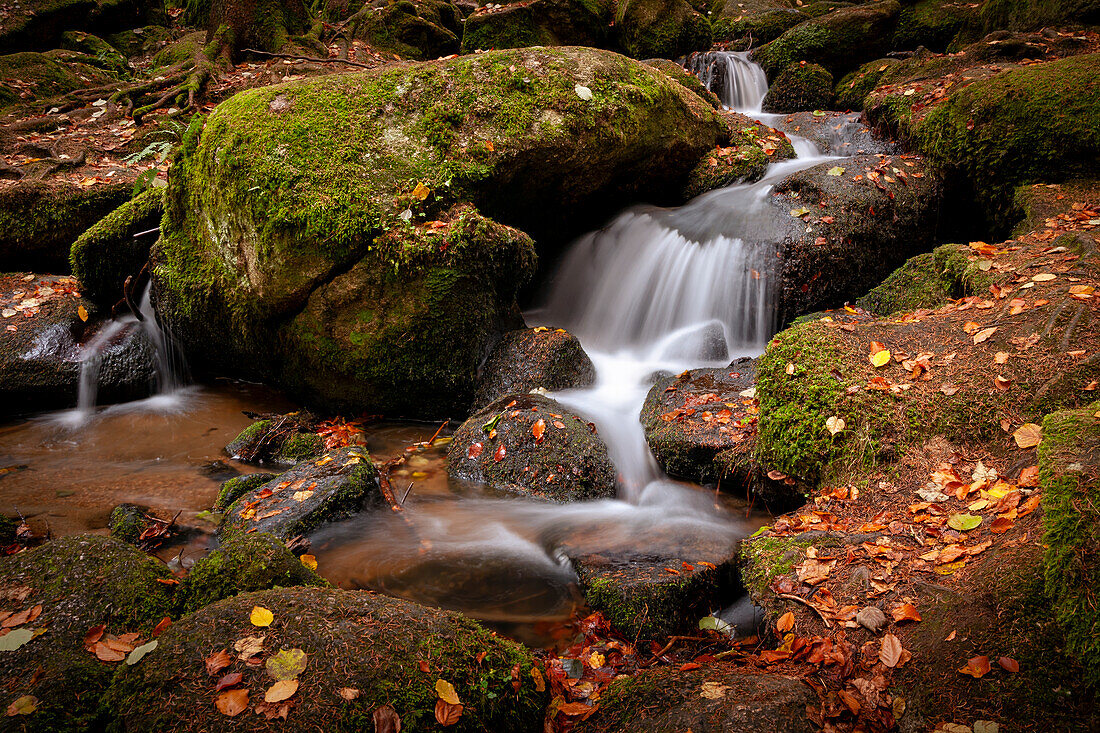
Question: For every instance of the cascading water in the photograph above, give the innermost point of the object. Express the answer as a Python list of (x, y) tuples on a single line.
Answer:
[(738, 82)]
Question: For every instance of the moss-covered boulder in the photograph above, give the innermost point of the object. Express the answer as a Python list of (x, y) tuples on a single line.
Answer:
[(127, 522), (537, 357), (39, 221), (798, 88), (282, 439), (537, 23), (851, 91), (418, 29), (699, 425), (744, 30), (103, 256), (1035, 14), (40, 360), (679, 74), (939, 25), (97, 52), (370, 645), (237, 487), (36, 25), (79, 582), (244, 563), (720, 697), (927, 281), (753, 146), (337, 485), (1069, 475), (872, 209), (311, 227), (1038, 123), (839, 41), (663, 28), (139, 41), (531, 445), (636, 592)]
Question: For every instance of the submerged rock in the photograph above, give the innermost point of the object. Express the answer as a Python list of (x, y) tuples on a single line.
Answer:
[(77, 583), (39, 221), (339, 484), (40, 361), (375, 165), (719, 698), (537, 23), (357, 645), (531, 445), (244, 563), (550, 359)]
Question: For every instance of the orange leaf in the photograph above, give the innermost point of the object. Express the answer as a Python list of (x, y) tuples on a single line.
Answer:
[(232, 703), (1009, 664), (785, 623), (159, 628), (218, 661), (905, 612), (538, 429), (976, 667), (891, 650), (446, 713)]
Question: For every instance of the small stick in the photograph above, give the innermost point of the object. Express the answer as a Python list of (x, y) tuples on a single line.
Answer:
[(437, 432), (806, 603), (406, 496), (147, 231)]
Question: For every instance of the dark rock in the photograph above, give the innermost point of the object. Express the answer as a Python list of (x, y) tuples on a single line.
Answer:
[(284, 439), (719, 698), (700, 428), (80, 582), (679, 74), (837, 133), (569, 463), (244, 563), (237, 487), (537, 23), (525, 360), (265, 25), (37, 25), (103, 256), (39, 221), (799, 88), (745, 30), (358, 640), (40, 363), (877, 221), (663, 28), (339, 484), (940, 25)]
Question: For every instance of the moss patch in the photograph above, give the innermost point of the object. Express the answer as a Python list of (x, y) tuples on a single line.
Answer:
[(927, 281), (104, 255), (799, 88)]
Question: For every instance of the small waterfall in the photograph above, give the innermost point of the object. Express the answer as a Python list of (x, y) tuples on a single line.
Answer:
[(739, 83)]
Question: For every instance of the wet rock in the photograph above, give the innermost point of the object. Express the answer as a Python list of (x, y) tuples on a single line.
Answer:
[(837, 133), (285, 439), (939, 25), (237, 487), (499, 446), (699, 425), (40, 361), (1035, 14), (661, 588), (292, 311), (39, 221), (679, 74), (662, 28), (337, 485), (840, 41), (751, 148), (106, 254), (878, 211), (35, 25), (244, 563), (127, 522), (362, 641), (927, 281), (719, 697), (871, 618), (537, 23), (798, 88), (525, 360), (418, 29), (80, 582), (745, 29)]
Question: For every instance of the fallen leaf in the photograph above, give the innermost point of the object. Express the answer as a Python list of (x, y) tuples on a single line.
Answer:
[(261, 616), (310, 561), (446, 713), (785, 623), (386, 719), (1009, 664), (23, 706), (905, 612), (446, 691), (286, 664), (963, 522), (82, 312), (1043, 277), (348, 693), (105, 653), (835, 171), (281, 690), (976, 667), (159, 628), (500, 452), (984, 334), (713, 690), (421, 192), (232, 703), (218, 661), (890, 651), (1028, 435), (249, 646), (229, 680), (880, 358), (139, 653), (538, 429), (834, 425)]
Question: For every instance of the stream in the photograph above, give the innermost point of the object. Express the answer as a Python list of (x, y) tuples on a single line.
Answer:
[(656, 291)]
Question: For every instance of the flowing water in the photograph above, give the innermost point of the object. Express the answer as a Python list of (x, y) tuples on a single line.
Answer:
[(656, 291)]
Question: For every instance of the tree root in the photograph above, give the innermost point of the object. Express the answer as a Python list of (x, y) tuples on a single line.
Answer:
[(296, 57)]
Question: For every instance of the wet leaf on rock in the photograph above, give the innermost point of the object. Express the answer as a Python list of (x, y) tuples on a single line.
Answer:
[(229, 680), (218, 661), (139, 653)]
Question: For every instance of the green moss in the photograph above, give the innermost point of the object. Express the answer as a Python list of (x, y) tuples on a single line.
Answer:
[(852, 90), (104, 255), (1039, 123), (927, 281), (96, 52), (237, 487), (1069, 475), (766, 558), (126, 523), (661, 28), (799, 88), (1035, 14), (7, 530), (685, 79), (937, 25), (46, 76), (181, 51), (759, 27), (539, 23), (413, 30), (244, 563), (300, 446)]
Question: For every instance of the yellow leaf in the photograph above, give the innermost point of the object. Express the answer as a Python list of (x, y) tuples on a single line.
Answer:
[(446, 692), (421, 192), (309, 561), (261, 616), (281, 690), (82, 312), (596, 660), (834, 425), (881, 358), (1028, 435)]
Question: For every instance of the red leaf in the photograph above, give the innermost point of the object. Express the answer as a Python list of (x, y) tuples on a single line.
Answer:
[(229, 680), (976, 667), (498, 456), (1009, 664), (474, 450)]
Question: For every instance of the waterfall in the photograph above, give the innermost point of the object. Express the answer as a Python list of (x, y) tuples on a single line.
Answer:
[(739, 83)]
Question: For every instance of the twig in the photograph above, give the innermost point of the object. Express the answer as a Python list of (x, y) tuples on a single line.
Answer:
[(806, 603), (406, 496), (671, 640), (295, 57)]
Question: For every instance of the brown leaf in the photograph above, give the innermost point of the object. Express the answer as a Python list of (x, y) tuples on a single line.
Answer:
[(386, 720), (159, 628), (905, 612), (785, 623), (232, 703), (1028, 435), (976, 667), (1009, 664), (1029, 477), (891, 650), (94, 634), (447, 713), (348, 693), (218, 661), (233, 678), (107, 654), (984, 334)]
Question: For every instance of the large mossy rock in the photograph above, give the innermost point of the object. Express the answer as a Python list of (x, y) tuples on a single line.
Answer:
[(800, 88), (420, 29), (40, 361), (310, 227), (678, 73), (29, 78), (563, 459), (335, 486), (39, 221), (661, 28), (551, 359), (878, 211), (939, 25), (107, 253), (80, 582), (1038, 123), (744, 30), (1035, 14), (366, 643), (719, 698), (537, 23), (37, 25), (244, 563), (840, 41), (927, 281), (1069, 474)]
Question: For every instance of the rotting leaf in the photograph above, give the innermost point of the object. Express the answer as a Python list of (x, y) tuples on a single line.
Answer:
[(229, 680), (286, 664), (976, 667), (1009, 664), (23, 706), (349, 693), (386, 719)]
